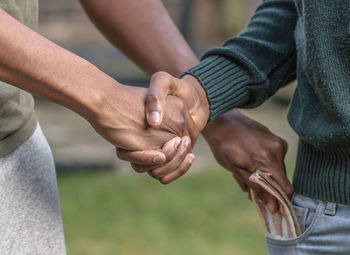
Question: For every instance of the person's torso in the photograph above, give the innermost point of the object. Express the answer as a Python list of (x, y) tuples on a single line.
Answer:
[(320, 109), (17, 120)]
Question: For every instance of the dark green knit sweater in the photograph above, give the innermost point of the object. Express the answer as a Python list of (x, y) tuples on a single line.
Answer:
[(309, 39)]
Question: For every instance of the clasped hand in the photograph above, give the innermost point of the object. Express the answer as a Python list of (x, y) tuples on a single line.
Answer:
[(120, 118), (239, 144)]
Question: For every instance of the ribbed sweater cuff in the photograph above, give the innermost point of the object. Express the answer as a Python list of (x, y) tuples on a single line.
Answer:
[(224, 83)]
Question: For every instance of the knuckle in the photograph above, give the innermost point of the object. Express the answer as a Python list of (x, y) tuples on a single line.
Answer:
[(277, 145), (265, 155), (160, 75), (179, 159), (169, 153), (264, 159), (156, 175), (182, 171), (189, 147), (184, 149), (151, 99), (265, 162)]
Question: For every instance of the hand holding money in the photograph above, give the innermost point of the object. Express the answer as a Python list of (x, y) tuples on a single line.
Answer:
[(282, 224), (243, 145)]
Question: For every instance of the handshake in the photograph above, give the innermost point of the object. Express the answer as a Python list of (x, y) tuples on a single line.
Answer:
[(155, 130)]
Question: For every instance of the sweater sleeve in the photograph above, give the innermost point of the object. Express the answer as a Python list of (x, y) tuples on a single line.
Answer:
[(252, 66)]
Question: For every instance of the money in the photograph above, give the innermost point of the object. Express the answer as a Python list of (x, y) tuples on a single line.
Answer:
[(284, 223)]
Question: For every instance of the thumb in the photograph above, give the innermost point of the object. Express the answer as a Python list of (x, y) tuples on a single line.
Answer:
[(161, 85)]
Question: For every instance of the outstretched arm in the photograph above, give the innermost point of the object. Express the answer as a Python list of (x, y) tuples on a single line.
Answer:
[(33, 63), (244, 72), (145, 33)]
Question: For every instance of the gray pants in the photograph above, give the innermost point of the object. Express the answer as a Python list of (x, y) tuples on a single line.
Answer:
[(30, 215)]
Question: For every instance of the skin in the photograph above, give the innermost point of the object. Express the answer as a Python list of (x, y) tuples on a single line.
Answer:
[(242, 146), (133, 31), (239, 144), (71, 81), (144, 32), (137, 25), (117, 112)]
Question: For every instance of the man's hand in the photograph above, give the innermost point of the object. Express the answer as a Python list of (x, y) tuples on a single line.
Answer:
[(116, 112), (119, 117), (133, 31), (166, 165), (243, 146), (177, 161), (188, 89)]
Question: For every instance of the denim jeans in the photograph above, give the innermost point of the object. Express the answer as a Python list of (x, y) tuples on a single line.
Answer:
[(325, 226)]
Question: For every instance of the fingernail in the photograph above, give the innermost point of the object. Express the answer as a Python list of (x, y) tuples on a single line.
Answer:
[(187, 142), (155, 117), (158, 159), (177, 143)]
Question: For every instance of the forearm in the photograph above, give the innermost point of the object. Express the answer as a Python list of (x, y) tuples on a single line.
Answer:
[(144, 32), (33, 63)]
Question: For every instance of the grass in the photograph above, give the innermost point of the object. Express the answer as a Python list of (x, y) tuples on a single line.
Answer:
[(106, 213)]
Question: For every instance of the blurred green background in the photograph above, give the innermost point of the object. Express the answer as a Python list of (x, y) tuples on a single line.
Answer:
[(202, 214), (109, 209)]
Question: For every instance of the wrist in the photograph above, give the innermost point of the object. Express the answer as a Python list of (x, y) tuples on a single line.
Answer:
[(229, 117), (200, 108), (93, 98)]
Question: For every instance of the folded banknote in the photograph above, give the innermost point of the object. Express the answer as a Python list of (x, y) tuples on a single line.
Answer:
[(284, 223)]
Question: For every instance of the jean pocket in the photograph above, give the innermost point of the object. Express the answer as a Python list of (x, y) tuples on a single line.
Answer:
[(307, 217), (302, 214)]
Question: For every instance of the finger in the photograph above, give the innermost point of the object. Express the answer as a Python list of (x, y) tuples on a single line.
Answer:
[(285, 147), (173, 164), (240, 183), (171, 147), (159, 89), (192, 128), (180, 171), (146, 157), (250, 196), (143, 168), (169, 150), (279, 175)]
